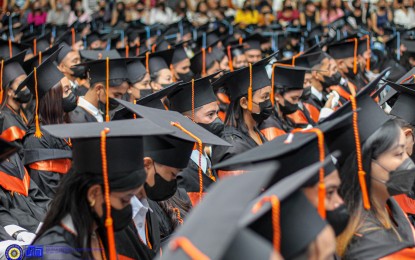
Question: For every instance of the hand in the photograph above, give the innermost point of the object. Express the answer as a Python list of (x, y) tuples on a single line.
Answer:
[(329, 101)]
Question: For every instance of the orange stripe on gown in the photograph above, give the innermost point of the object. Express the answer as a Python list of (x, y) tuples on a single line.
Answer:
[(61, 166)]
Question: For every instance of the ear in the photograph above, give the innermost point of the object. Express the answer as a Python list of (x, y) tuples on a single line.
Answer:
[(148, 163), (243, 102), (10, 92), (60, 67), (94, 193)]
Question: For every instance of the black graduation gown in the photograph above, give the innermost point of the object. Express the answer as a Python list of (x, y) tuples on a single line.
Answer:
[(49, 149), (13, 127), (188, 179), (319, 104), (275, 126), (22, 203), (130, 245), (80, 115), (379, 242), (164, 219), (240, 142)]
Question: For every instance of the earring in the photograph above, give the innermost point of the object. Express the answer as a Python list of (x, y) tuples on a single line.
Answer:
[(92, 203)]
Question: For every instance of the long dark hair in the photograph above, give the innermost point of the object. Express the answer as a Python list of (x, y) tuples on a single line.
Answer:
[(378, 143), (71, 199), (50, 106), (235, 116)]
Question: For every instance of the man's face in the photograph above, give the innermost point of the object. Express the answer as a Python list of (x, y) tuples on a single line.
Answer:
[(207, 113), (71, 59), (240, 61), (114, 92), (181, 67), (215, 68), (307, 80), (253, 56)]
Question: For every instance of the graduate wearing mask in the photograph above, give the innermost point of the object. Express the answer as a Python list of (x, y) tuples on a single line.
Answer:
[(204, 64), (47, 158), (98, 101), (139, 79), (252, 47), (250, 106), (102, 191), (14, 119), (181, 64), (158, 64)]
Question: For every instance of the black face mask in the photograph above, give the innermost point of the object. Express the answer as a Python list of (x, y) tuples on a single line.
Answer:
[(79, 72), (162, 189), (350, 74), (306, 94), (113, 105), (69, 103), (23, 96), (338, 219), (264, 112), (186, 77), (289, 108), (120, 217), (216, 127), (331, 81), (145, 92), (400, 180)]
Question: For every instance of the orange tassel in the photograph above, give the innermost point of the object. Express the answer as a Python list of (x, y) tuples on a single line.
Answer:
[(272, 94), (38, 132), (73, 37), (40, 58), (203, 62), (153, 49), (193, 252), (147, 62), (1, 81), (127, 51), (356, 44), (107, 87), (172, 73), (200, 148), (135, 103), (295, 57), (250, 88), (10, 48), (108, 220), (275, 203), (230, 62), (241, 40), (368, 48), (34, 46), (361, 172), (193, 100)]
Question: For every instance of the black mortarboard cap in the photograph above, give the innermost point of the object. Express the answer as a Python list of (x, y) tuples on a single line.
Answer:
[(407, 78), (307, 60), (42, 43), (201, 61), (154, 100), (130, 52), (39, 58), (124, 149), (164, 119), (254, 41), (179, 53), (216, 217), (13, 68), (92, 37), (160, 60), (9, 48), (48, 76), (97, 70), (91, 55), (193, 93), (70, 37), (238, 81), (403, 106), (300, 222), (342, 50), (64, 51), (136, 69), (289, 77)]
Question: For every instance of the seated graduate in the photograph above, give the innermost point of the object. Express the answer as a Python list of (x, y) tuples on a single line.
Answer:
[(93, 201), (47, 158)]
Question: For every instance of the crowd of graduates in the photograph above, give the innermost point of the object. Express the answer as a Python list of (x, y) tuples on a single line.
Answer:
[(219, 140)]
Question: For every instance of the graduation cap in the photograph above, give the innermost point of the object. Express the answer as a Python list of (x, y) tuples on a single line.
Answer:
[(41, 43), (191, 95), (12, 68), (254, 41), (29, 64), (92, 55), (132, 51), (344, 50), (217, 217), (288, 77), (8, 48), (70, 37), (154, 100), (403, 107), (40, 81), (65, 50), (161, 45), (233, 51), (245, 80), (201, 61), (409, 77), (298, 223), (136, 69), (179, 53), (208, 39), (157, 61), (93, 37), (365, 123), (306, 60), (111, 152)]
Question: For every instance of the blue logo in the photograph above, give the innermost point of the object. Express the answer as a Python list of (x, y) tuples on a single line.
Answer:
[(34, 251), (14, 252)]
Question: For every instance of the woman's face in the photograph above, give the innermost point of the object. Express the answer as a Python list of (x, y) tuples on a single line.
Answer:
[(165, 78), (215, 68), (259, 96), (240, 61), (387, 162), (135, 89), (224, 63), (66, 87)]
